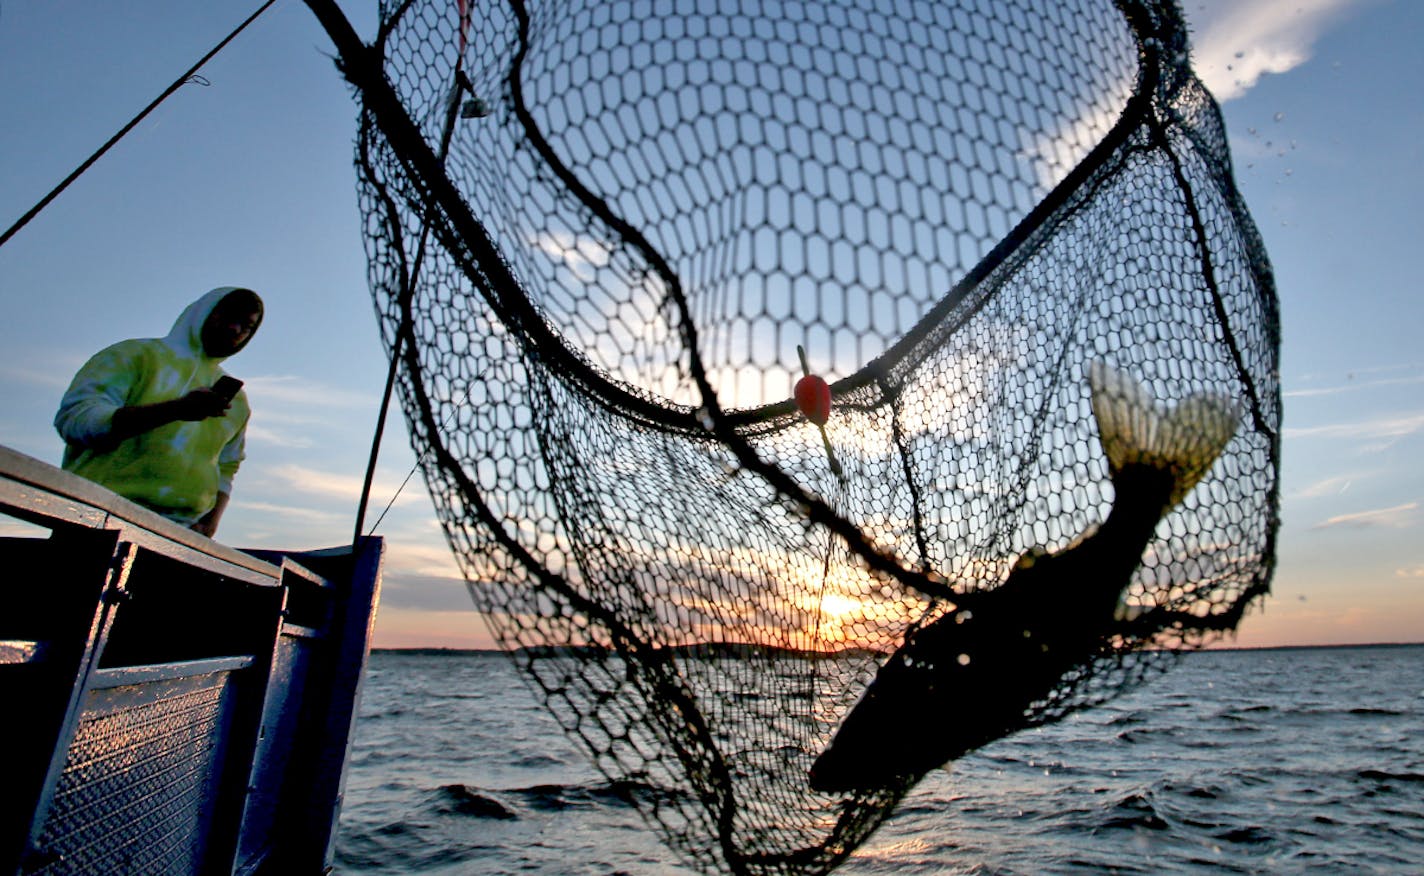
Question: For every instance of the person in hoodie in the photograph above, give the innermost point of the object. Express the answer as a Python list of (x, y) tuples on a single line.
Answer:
[(143, 419)]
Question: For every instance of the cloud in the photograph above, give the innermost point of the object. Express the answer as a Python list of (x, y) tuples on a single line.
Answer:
[(333, 489), (1412, 572), (43, 367), (425, 593), (1236, 42), (291, 390), (1353, 386), (1327, 487), (1382, 429), (287, 410), (583, 256), (13, 528), (276, 438), (51, 379), (346, 487), (1055, 150), (421, 560), (343, 487), (1398, 517), (291, 512)]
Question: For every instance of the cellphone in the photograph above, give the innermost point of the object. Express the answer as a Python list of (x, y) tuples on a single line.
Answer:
[(227, 387)]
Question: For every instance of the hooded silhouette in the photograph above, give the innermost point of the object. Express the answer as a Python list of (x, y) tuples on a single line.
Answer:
[(141, 419)]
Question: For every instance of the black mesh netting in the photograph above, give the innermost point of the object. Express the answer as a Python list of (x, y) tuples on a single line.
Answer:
[(1006, 233)]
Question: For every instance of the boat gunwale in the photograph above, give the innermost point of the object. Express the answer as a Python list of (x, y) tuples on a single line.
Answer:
[(28, 487)]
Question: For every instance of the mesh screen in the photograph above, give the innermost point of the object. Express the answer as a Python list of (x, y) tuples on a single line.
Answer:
[(602, 234), (136, 792)]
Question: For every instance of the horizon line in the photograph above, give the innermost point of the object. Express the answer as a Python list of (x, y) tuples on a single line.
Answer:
[(437, 650)]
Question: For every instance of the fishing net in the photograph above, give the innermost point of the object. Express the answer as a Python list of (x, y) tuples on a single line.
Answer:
[(599, 231)]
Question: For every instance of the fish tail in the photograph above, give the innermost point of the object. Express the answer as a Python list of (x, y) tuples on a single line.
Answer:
[(1185, 439)]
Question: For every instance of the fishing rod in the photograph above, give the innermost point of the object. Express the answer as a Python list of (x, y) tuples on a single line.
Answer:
[(455, 109), (167, 92)]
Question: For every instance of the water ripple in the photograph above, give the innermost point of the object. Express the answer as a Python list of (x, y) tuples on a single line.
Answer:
[(1235, 762)]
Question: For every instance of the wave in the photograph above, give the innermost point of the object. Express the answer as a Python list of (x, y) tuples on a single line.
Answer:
[(465, 800), (1147, 735), (401, 846), (1319, 770), (1250, 835), (462, 800), (1124, 718), (538, 760), (1328, 712), (1385, 776), (478, 695), (1193, 790), (1133, 812), (391, 712), (1251, 716)]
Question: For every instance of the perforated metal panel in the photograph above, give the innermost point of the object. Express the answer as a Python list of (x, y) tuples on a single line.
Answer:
[(136, 792)]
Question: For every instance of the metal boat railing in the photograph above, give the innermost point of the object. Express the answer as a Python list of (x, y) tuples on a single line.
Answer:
[(172, 705)]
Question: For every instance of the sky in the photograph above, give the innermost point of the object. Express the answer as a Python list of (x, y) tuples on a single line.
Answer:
[(245, 178)]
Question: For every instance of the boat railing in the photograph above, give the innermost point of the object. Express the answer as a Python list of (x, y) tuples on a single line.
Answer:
[(175, 705)]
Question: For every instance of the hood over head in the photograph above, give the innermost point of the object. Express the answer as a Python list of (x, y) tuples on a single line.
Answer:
[(186, 336)]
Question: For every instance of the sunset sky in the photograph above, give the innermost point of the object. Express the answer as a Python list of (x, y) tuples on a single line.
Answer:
[(246, 178)]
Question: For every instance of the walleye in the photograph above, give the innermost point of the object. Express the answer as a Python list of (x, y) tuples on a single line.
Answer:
[(968, 677)]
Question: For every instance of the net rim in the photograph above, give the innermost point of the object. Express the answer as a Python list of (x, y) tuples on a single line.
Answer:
[(506, 293)]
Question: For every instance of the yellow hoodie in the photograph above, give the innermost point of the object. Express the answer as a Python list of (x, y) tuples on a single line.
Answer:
[(179, 468)]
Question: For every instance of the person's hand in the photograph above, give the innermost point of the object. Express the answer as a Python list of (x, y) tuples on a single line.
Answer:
[(208, 524), (200, 404)]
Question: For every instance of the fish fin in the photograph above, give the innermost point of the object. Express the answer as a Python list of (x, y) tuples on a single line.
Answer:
[(1086, 535), (1186, 438), (1128, 612)]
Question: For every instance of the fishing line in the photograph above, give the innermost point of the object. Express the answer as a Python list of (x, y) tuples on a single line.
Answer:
[(178, 83), (392, 502), (410, 474)]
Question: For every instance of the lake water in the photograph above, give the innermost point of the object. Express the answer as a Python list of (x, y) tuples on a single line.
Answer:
[(1275, 761)]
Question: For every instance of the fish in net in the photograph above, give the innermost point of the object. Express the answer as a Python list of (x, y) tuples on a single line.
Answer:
[(614, 246)]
